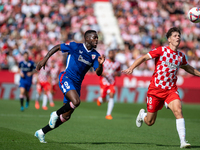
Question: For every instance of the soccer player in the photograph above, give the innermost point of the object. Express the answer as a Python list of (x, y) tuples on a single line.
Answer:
[(44, 85), (26, 71), (81, 57), (162, 89), (111, 69)]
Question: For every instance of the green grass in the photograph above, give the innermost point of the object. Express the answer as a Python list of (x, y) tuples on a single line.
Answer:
[(88, 130)]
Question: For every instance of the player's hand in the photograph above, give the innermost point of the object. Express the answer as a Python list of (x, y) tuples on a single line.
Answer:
[(101, 59), (41, 64), (29, 74), (127, 71), (21, 74)]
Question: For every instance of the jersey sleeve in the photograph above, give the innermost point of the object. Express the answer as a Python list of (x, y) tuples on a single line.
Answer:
[(184, 61), (155, 52), (20, 64), (96, 63), (68, 47)]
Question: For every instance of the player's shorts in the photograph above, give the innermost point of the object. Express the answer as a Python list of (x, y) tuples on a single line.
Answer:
[(25, 85), (157, 97), (54, 88), (106, 89), (46, 86), (66, 85)]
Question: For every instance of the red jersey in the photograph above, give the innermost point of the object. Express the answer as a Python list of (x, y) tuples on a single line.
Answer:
[(167, 63), (44, 75), (109, 68)]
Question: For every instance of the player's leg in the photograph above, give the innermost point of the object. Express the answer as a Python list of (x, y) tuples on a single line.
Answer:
[(46, 89), (21, 96), (176, 108), (153, 105), (39, 90), (103, 93), (110, 102), (27, 95)]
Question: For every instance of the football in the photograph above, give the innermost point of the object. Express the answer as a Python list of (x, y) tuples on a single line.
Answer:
[(194, 14)]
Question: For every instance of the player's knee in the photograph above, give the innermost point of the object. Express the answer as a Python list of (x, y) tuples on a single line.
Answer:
[(178, 113), (76, 102), (150, 122)]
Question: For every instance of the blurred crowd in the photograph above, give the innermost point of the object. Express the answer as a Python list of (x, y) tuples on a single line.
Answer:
[(37, 25)]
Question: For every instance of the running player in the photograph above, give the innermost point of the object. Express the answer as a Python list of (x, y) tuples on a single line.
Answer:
[(162, 89), (44, 85), (111, 69), (81, 57), (26, 71)]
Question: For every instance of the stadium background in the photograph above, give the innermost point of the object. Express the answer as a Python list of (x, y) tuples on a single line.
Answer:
[(131, 28)]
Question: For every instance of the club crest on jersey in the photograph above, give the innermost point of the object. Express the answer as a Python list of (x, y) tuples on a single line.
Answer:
[(93, 56)]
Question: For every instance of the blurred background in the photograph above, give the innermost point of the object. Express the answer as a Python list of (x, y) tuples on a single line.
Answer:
[(130, 27)]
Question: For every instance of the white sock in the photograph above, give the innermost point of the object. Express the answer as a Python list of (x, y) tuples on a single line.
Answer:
[(100, 99), (50, 97), (180, 126), (40, 131), (37, 97), (44, 103), (143, 115), (110, 106)]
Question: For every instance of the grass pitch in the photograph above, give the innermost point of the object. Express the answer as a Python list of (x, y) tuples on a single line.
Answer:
[(89, 130)]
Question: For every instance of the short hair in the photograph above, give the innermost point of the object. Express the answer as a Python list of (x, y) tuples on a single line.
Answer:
[(26, 53), (171, 30), (89, 32)]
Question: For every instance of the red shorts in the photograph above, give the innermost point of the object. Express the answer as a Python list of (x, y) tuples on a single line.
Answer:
[(107, 89), (46, 86), (157, 97)]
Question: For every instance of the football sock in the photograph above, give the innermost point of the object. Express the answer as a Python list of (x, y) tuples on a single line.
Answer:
[(37, 97), (50, 97), (100, 99), (65, 108), (21, 100), (110, 106), (143, 115), (59, 121), (180, 126), (44, 102)]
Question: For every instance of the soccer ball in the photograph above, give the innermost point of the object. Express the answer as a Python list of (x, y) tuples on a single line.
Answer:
[(194, 14)]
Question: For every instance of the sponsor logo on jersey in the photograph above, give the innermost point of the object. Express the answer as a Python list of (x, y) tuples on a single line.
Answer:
[(93, 56), (80, 58), (171, 65), (80, 51)]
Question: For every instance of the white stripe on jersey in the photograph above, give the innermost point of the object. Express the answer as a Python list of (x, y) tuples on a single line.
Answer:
[(69, 56)]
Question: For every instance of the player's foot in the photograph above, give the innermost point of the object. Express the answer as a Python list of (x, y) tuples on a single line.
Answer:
[(44, 107), (139, 120), (27, 104), (40, 136), (52, 104), (185, 144), (53, 119), (37, 105), (109, 117), (98, 102), (22, 108)]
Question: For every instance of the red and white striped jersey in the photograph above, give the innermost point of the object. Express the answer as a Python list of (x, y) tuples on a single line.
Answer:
[(167, 63), (109, 68), (54, 74), (44, 75)]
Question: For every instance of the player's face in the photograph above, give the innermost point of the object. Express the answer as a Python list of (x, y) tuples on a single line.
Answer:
[(175, 39), (111, 54), (26, 56), (93, 40)]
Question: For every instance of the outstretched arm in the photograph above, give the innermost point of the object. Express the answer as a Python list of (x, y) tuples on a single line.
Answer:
[(191, 70), (101, 60), (136, 63), (42, 63)]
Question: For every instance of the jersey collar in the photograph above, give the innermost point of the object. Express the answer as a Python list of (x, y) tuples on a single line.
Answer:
[(86, 48)]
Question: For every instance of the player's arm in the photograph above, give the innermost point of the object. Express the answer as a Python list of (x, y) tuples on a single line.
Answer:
[(101, 60), (191, 70), (136, 63), (48, 55)]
